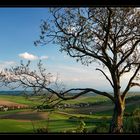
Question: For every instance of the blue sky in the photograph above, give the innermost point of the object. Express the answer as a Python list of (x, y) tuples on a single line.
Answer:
[(19, 28)]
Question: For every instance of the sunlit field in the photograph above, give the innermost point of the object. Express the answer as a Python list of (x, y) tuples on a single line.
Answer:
[(90, 119)]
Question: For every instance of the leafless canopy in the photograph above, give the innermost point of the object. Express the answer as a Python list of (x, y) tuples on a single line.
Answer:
[(110, 36)]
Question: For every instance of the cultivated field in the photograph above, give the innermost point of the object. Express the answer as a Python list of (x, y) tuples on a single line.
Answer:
[(96, 111)]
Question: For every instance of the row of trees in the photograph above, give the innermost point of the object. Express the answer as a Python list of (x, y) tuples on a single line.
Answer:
[(109, 36)]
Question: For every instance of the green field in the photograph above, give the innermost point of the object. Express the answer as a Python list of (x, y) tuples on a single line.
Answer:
[(88, 99), (59, 120), (19, 99)]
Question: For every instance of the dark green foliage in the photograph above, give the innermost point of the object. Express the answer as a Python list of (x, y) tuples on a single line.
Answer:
[(132, 98), (41, 130), (127, 114), (81, 128), (132, 122), (132, 125), (102, 128), (136, 112), (41, 107)]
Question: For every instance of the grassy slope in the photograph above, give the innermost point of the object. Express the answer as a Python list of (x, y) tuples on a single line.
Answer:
[(87, 99), (18, 99), (58, 123)]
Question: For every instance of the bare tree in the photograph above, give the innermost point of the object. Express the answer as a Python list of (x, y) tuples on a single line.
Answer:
[(109, 36), (33, 82)]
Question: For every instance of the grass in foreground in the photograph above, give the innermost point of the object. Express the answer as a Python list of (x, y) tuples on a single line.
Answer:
[(14, 126)]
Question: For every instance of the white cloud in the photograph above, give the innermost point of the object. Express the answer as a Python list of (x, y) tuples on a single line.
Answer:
[(43, 57), (28, 56)]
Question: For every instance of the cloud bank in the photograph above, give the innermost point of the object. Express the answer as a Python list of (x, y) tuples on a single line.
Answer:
[(29, 56), (6, 64)]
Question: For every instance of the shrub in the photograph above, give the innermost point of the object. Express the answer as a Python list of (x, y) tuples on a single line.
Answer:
[(82, 127), (132, 124), (127, 114), (41, 130), (136, 112), (102, 128)]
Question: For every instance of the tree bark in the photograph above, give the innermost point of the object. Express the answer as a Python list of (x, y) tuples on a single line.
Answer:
[(116, 125)]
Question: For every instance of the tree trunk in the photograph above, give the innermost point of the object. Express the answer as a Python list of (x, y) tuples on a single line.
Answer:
[(116, 125)]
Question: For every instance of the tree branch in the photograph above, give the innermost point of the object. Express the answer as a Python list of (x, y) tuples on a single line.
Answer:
[(90, 54), (129, 53), (83, 91), (106, 77), (125, 69), (135, 84), (130, 82)]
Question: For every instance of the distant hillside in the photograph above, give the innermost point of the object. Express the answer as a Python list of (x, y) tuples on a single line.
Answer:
[(20, 92), (11, 92)]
